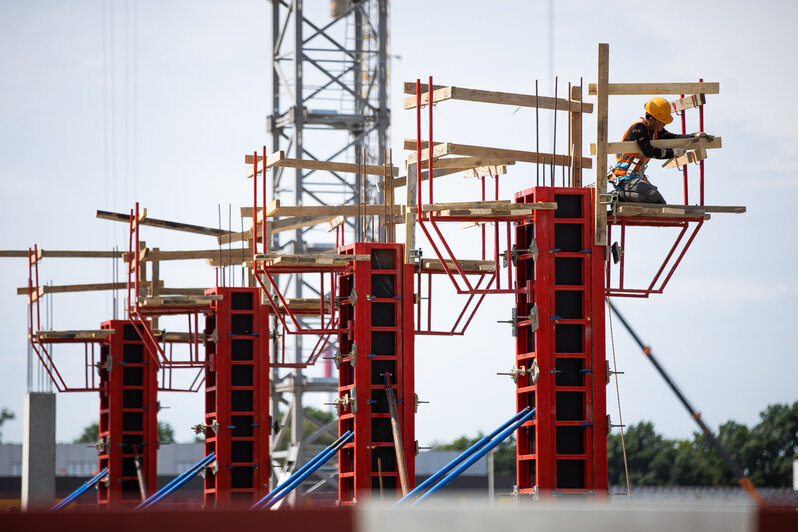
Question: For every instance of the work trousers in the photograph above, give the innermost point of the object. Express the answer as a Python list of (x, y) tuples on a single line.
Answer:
[(638, 190)]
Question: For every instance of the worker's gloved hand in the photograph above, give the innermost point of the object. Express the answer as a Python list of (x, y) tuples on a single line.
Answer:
[(678, 152), (702, 135)]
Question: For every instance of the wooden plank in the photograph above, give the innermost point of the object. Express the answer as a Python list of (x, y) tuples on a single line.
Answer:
[(275, 209), (505, 205), (65, 253), (602, 135), (179, 301), (461, 163), (411, 197), (494, 212), (501, 98), (467, 265), (485, 171), (305, 304), (335, 223), (575, 130), (279, 159), (309, 261), (688, 102), (640, 89), (91, 287), (649, 209), (689, 157), (449, 148), (162, 224), (178, 337), (409, 87), (153, 255), (74, 335), (631, 146)]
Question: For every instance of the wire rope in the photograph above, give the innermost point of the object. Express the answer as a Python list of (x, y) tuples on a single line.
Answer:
[(620, 416)]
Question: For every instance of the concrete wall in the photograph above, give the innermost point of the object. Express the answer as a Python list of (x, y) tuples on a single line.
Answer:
[(38, 450)]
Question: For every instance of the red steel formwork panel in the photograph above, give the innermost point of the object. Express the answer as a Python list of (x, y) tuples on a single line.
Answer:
[(560, 338), (376, 311), (237, 398), (128, 417)]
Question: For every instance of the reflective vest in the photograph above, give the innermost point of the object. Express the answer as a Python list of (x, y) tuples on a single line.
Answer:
[(631, 164)]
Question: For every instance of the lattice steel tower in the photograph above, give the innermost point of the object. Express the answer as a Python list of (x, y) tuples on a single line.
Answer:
[(330, 103)]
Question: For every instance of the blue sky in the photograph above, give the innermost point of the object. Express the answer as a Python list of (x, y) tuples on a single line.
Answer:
[(197, 101)]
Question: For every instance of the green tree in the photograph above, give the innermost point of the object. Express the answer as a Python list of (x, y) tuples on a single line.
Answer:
[(650, 456), (775, 438), (91, 433), (5, 415)]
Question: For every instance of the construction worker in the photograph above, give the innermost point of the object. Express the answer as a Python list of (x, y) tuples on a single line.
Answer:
[(629, 176)]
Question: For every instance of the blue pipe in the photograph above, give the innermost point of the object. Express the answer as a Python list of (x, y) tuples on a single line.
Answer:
[(175, 483), (468, 452), (296, 482), (298, 472), (80, 491), (482, 452)]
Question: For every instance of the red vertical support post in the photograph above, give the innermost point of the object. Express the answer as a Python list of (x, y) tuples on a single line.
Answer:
[(128, 425), (377, 313), (237, 398), (560, 358)]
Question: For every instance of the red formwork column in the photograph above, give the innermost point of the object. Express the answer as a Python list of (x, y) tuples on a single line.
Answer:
[(128, 427), (237, 398), (377, 313), (560, 352)]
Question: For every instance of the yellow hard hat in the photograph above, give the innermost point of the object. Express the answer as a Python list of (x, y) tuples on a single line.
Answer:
[(660, 109)]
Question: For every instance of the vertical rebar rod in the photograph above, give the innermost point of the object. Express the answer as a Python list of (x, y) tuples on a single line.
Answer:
[(537, 136)]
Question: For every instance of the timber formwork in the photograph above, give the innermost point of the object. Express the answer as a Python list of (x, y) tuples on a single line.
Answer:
[(376, 352), (237, 423), (128, 428)]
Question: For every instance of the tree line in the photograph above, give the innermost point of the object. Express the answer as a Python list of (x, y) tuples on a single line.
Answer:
[(765, 452)]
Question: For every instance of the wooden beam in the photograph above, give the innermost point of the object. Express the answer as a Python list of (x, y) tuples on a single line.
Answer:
[(688, 102), (475, 266), (410, 212), (689, 157), (486, 171), (674, 211), (100, 334), (66, 253), (275, 209), (162, 224), (179, 301), (602, 134), (640, 89), (409, 87), (91, 287), (505, 205), (575, 134), (464, 163), (501, 98), (279, 159), (153, 255), (309, 260), (631, 146), (449, 148)]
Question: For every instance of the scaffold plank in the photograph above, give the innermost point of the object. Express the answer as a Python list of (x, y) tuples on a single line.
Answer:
[(500, 205), (279, 159), (690, 157), (672, 211), (485, 96), (74, 335), (641, 89), (318, 259), (178, 301), (474, 266), (688, 102)]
